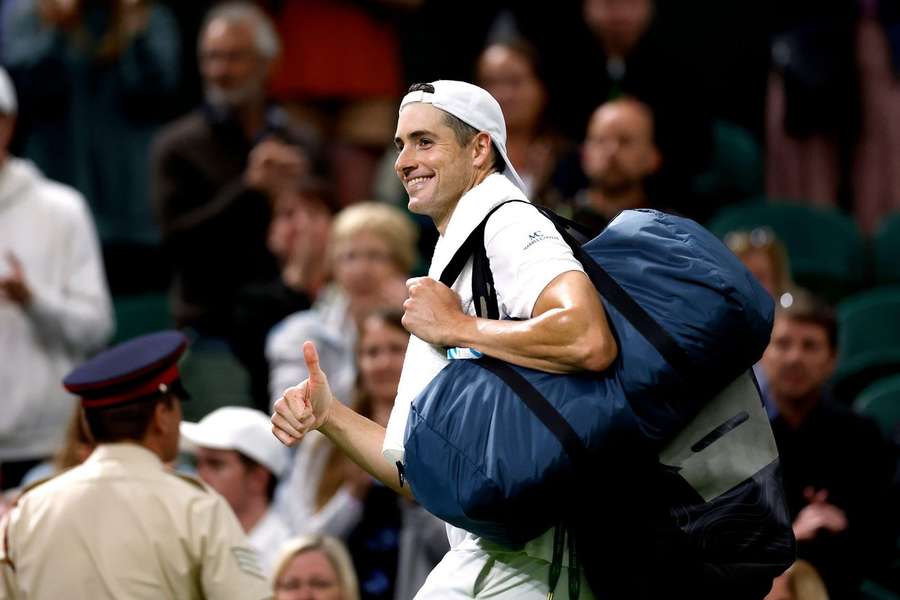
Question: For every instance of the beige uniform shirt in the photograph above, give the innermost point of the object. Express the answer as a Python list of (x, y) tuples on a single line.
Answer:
[(122, 526)]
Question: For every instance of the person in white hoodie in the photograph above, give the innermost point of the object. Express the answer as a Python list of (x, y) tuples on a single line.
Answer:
[(55, 307)]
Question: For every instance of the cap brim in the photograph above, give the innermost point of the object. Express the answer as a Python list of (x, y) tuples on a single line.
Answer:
[(199, 436)]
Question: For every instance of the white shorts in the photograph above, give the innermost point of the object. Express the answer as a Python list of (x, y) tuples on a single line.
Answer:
[(468, 573)]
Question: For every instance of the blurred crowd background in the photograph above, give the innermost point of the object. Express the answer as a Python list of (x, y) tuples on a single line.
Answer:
[(230, 173)]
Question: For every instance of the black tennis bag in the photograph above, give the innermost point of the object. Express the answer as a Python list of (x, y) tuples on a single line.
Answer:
[(660, 474)]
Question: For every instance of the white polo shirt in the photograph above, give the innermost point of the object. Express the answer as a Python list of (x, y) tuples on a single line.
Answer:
[(526, 253)]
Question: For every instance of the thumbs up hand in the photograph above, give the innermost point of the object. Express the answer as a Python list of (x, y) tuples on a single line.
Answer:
[(303, 407)]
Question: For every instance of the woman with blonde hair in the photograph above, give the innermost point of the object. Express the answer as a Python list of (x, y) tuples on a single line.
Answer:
[(371, 251), (318, 563)]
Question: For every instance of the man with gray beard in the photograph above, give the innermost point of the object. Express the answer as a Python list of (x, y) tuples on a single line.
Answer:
[(618, 158), (216, 170)]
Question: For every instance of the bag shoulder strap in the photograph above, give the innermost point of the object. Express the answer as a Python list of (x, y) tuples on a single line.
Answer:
[(574, 235)]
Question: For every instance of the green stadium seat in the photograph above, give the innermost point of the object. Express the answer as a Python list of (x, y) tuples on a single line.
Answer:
[(137, 314), (869, 340), (881, 402), (735, 170), (886, 251), (826, 250)]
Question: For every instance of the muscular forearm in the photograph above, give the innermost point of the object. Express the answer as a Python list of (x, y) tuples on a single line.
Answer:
[(555, 342), (361, 439)]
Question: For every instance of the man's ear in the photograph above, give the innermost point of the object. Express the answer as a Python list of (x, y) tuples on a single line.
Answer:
[(162, 416), (481, 149)]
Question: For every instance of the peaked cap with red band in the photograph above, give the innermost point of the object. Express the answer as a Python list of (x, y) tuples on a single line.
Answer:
[(134, 370)]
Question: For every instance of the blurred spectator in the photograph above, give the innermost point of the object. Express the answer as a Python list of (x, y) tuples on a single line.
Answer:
[(238, 456), (341, 74), (631, 54), (812, 108), (216, 170), (371, 252), (123, 525), (394, 543), (764, 256), (800, 582), (836, 467), (833, 129), (298, 237), (54, 303), (619, 157), (314, 567), (97, 77), (513, 73)]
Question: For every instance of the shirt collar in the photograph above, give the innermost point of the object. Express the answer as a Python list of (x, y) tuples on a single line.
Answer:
[(127, 452), (469, 212)]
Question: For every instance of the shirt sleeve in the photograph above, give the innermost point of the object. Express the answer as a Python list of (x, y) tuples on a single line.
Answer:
[(526, 253), (230, 568)]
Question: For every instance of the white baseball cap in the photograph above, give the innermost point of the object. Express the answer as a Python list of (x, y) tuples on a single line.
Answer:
[(8, 104), (245, 430), (473, 106)]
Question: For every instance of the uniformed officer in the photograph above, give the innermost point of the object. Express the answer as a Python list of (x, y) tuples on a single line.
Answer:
[(122, 525)]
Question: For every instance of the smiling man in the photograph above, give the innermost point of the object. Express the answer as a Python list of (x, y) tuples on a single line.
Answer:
[(836, 466), (451, 143)]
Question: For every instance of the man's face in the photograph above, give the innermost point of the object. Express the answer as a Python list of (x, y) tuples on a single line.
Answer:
[(433, 167), (799, 359), (619, 152), (299, 225), (233, 71), (226, 473)]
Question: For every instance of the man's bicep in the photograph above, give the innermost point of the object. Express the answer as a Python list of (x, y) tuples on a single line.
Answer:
[(569, 290)]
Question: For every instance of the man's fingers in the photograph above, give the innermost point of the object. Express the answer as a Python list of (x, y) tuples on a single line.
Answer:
[(284, 438), (288, 415), (410, 283), (293, 429)]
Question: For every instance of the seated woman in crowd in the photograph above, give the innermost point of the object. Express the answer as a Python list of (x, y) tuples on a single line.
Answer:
[(394, 542), (371, 251), (547, 161), (318, 564)]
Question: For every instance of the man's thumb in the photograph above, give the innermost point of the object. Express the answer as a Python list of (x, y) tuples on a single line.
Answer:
[(311, 356)]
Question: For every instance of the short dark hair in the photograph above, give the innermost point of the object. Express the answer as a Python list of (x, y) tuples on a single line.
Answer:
[(462, 130), (124, 422), (801, 305), (249, 463)]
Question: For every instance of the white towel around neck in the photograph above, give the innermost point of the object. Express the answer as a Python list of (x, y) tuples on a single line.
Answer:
[(424, 361)]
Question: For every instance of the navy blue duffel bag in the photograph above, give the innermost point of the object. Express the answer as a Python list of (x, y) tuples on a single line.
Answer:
[(504, 451)]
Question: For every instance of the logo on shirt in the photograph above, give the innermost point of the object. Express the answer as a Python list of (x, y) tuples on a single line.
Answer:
[(538, 236)]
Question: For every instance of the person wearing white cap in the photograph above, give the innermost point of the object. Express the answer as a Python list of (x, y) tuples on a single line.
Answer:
[(238, 457), (452, 160), (55, 307)]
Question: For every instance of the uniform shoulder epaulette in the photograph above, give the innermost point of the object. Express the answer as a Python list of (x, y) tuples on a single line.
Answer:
[(190, 479)]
